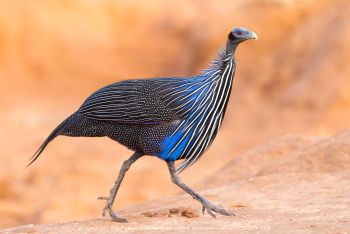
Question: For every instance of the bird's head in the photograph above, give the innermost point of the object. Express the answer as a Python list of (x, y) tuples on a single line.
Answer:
[(239, 35)]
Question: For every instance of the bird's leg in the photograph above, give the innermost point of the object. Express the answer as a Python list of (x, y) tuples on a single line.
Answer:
[(110, 200), (207, 205)]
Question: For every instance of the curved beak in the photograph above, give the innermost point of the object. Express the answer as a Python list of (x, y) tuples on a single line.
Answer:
[(252, 35)]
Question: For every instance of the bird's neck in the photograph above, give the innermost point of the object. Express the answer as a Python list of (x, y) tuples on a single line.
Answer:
[(231, 48), (218, 66)]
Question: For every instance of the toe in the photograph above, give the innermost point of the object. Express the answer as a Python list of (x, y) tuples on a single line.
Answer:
[(211, 213), (224, 212), (117, 218)]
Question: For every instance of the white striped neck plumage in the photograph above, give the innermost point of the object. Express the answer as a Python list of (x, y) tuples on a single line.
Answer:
[(209, 102)]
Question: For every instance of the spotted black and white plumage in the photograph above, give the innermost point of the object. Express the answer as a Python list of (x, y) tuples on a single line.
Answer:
[(171, 118)]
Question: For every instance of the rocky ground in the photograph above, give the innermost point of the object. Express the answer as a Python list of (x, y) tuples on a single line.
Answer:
[(291, 185), (294, 80)]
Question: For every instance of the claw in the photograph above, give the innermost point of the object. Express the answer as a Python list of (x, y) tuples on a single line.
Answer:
[(211, 208), (211, 213), (117, 218)]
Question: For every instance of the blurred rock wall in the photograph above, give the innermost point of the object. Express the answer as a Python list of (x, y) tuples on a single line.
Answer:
[(53, 54)]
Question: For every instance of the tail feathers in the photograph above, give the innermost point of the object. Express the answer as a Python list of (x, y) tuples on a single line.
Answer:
[(52, 136)]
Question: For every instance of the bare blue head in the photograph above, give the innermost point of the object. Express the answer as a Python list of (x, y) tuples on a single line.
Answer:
[(239, 35), (236, 36)]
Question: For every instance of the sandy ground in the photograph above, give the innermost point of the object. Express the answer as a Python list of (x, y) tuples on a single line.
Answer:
[(53, 54)]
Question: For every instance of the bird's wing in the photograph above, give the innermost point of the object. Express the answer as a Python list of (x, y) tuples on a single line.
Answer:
[(132, 101)]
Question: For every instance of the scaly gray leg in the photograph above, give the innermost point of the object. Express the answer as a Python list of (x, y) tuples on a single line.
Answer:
[(110, 200), (207, 205)]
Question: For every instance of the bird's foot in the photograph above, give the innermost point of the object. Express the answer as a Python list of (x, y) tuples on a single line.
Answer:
[(108, 207), (212, 209)]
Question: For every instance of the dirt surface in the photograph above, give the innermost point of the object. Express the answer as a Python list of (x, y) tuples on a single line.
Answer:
[(53, 54), (303, 190)]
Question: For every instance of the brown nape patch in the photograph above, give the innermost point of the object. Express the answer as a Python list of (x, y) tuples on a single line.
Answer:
[(173, 212), (231, 37)]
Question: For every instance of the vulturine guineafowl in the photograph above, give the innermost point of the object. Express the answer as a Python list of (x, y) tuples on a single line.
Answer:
[(170, 118)]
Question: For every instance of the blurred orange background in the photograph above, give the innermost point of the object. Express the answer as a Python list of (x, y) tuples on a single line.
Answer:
[(53, 54)]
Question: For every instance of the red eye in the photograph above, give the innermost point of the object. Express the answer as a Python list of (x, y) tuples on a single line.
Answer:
[(239, 33)]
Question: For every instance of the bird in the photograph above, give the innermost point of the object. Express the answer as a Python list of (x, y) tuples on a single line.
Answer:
[(174, 118)]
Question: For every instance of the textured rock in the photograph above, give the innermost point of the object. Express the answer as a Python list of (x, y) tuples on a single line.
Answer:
[(302, 190)]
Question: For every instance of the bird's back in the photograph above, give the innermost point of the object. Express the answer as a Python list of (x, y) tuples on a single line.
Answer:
[(132, 112)]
